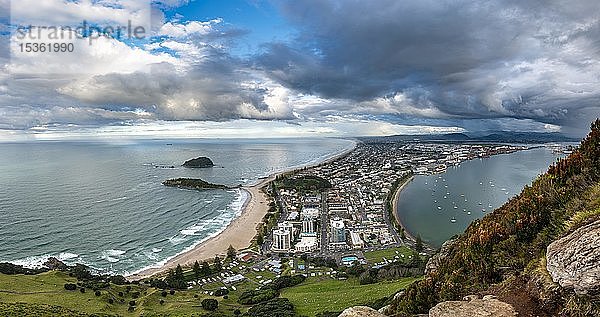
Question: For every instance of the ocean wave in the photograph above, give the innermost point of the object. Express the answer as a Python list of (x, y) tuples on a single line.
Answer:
[(236, 206), (37, 261), (112, 256)]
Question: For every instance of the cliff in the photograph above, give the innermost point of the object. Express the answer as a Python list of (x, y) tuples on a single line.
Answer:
[(504, 253), (199, 162)]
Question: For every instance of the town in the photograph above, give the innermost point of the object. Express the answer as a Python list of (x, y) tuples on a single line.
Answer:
[(343, 208)]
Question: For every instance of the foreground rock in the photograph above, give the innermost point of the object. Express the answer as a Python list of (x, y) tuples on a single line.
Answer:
[(199, 162), (473, 307), (572, 261), (361, 311)]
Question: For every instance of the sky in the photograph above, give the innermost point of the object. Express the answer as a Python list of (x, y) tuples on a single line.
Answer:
[(284, 68)]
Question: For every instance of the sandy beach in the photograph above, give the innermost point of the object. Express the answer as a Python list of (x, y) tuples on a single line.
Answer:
[(239, 233), (395, 208)]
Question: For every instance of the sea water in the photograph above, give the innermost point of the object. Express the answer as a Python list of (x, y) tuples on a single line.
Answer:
[(102, 203)]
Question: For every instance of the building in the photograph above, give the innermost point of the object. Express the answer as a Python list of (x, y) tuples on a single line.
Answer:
[(281, 240), (307, 243), (357, 241), (338, 231), (308, 224)]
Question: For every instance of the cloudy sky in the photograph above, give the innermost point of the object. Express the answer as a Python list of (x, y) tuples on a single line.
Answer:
[(265, 68)]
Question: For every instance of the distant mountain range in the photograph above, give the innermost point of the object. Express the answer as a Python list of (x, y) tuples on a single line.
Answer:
[(499, 137)]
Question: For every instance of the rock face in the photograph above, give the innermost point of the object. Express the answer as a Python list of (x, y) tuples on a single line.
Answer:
[(199, 162), (573, 261), (435, 260), (55, 264), (361, 311), (473, 307)]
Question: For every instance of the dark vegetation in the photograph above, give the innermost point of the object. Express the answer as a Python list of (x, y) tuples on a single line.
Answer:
[(12, 269), (511, 241), (304, 183), (192, 183), (210, 304), (278, 307)]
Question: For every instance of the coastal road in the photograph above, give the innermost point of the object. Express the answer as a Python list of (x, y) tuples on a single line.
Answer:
[(324, 224)]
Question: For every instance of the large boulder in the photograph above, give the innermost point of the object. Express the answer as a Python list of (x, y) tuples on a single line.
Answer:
[(573, 261), (473, 307), (361, 311)]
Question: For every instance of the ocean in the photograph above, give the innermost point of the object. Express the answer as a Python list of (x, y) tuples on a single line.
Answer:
[(437, 207), (102, 204)]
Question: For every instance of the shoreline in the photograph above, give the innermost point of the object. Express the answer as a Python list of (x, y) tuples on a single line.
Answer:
[(395, 209), (240, 232)]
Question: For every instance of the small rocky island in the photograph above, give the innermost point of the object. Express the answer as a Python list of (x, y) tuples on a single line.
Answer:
[(199, 162), (192, 183)]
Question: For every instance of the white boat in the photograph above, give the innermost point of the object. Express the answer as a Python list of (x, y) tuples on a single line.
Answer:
[(453, 220)]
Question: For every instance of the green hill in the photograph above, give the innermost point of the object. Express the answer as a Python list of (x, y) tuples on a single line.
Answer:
[(504, 253)]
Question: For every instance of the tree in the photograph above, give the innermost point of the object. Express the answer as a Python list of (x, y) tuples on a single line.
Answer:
[(179, 272), (197, 270), (217, 265), (419, 244), (231, 252), (210, 304), (260, 239), (402, 234), (205, 269)]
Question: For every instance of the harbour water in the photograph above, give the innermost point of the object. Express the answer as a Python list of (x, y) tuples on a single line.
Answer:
[(103, 205), (437, 207)]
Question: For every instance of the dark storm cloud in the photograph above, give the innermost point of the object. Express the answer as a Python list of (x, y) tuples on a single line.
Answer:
[(469, 59)]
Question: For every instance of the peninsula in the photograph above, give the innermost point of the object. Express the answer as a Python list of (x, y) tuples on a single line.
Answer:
[(192, 183)]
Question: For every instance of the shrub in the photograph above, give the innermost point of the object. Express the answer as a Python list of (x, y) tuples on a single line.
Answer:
[(280, 307), (254, 297), (221, 292), (70, 287), (210, 304), (162, 302), (172, 292), (82, 290), (97, 293), (131, 303), (286, 281), (110, 300), (163, 294), (121, 294)]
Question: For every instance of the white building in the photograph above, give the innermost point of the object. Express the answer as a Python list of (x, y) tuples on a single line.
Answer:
[(281, 240), (308, 243), (338, 230), (357, 241), (308, 224)]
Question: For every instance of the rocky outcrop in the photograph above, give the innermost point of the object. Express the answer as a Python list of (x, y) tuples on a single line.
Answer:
[(361, 311), (434, 261), (55, 264), (572, 261), (472, 306), (199, 162)]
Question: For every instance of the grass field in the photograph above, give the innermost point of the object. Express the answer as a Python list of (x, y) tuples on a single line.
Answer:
[(323, 294), (389, 254), (48, 289)]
